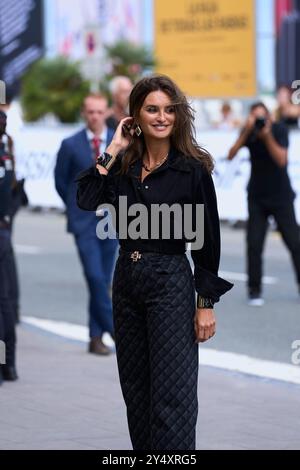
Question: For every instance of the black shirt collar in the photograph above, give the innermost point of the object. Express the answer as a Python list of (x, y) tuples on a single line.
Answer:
[(176, 161)]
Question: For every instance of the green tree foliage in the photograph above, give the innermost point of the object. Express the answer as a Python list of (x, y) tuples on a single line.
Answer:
[(129, 59), (53, 86)]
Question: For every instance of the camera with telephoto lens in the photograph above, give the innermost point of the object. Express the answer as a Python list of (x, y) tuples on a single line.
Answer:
[(260, 123)]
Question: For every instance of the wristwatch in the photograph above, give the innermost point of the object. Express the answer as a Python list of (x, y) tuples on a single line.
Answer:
[(106, 160), (204, 302)]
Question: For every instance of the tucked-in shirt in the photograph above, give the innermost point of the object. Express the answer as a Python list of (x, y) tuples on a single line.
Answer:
[(180, 180)]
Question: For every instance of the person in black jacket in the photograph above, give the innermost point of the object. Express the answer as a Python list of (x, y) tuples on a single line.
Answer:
[(19, 199), (153, 160), (7, 314)]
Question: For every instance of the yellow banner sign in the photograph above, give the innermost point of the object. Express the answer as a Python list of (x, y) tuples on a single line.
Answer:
[(207, 47)]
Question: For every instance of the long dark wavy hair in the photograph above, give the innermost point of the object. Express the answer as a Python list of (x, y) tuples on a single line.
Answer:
[(183, 135)]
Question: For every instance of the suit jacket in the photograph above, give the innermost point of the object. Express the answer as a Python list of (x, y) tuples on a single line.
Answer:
[(74, 156)]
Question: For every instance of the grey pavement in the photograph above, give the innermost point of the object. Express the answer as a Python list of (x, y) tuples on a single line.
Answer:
[(67, 399)]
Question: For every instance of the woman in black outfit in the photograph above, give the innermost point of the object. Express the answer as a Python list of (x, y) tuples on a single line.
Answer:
[(154, 159)]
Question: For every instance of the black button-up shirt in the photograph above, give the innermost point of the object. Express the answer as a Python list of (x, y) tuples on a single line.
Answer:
[(180, 180)]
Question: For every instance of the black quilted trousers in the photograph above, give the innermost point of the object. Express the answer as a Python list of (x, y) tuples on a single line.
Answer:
[(154, 308)]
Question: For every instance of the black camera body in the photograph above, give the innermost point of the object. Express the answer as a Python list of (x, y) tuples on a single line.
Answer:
[(260, 123)]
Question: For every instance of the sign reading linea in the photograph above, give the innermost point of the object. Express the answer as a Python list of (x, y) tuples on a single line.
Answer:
[(207, 47)]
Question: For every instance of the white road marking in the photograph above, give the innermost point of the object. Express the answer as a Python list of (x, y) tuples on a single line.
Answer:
[(28, 250), (64, 329), (209, 357), (243, 277), (249, 365)]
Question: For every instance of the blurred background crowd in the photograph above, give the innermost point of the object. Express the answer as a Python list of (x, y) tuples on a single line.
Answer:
[(222, 54)]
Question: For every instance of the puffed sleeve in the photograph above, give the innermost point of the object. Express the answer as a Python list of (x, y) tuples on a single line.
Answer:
[(206, 260), (94, 189)]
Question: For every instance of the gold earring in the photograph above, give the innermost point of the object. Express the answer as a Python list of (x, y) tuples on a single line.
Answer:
[(138, 130)]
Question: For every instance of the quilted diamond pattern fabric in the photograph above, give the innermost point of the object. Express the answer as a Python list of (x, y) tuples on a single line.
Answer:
[(154, 308)]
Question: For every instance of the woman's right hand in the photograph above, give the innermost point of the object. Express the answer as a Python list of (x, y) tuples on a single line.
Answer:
[(120, 141), (102, 170), (122, 138)]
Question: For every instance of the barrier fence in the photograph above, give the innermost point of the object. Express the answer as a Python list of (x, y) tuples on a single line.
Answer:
[(36, 149)]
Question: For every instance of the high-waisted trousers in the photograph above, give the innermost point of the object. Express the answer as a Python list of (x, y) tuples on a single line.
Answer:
[(157, 355)]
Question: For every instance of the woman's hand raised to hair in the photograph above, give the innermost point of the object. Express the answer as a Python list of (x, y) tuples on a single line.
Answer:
[(122, 137), (120, 141)]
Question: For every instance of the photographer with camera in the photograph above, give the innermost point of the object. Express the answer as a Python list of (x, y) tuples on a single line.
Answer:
[(269, 193), (7, 314)]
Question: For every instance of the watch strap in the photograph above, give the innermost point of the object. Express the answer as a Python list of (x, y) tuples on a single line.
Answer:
[(204, 302), (106, 160)]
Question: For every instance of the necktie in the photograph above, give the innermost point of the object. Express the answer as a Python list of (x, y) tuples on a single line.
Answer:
[(96, 147)]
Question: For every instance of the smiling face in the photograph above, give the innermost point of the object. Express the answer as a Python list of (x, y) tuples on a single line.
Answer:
[(157, 116)]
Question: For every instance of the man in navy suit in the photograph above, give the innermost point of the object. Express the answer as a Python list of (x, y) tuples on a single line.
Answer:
[(77, 153)]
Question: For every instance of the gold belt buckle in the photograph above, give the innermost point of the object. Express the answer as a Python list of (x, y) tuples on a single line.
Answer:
[(135, 256)]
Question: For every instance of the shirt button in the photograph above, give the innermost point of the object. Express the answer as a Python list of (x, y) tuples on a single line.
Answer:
[(146, 187)]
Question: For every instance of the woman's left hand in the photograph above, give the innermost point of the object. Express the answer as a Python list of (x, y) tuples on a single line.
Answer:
[(205, 324)]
